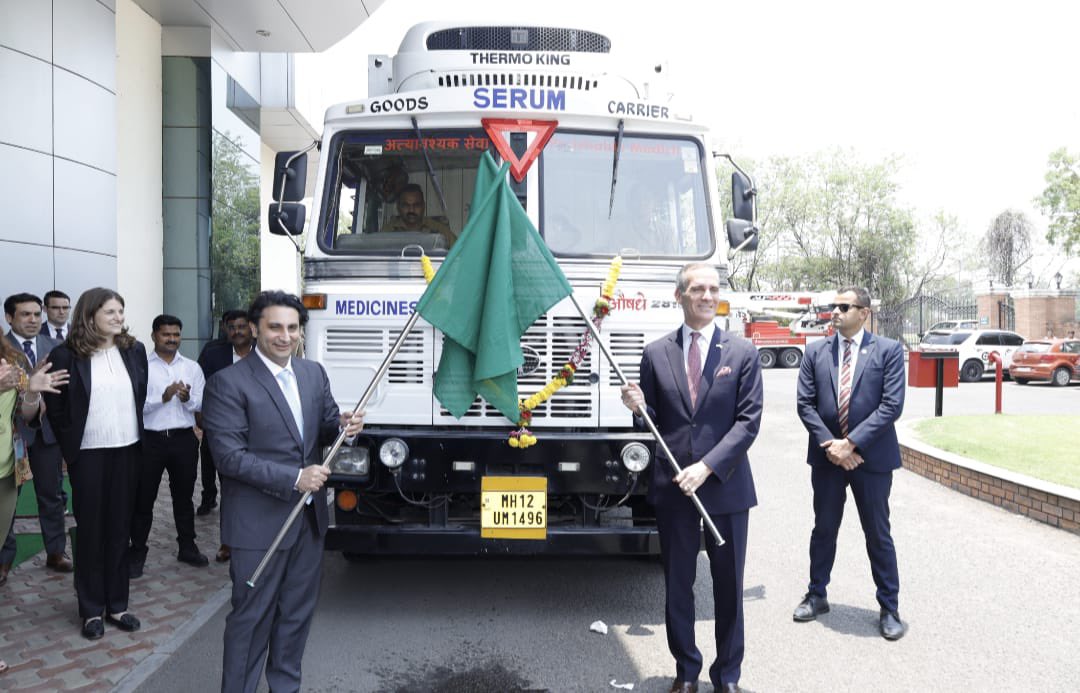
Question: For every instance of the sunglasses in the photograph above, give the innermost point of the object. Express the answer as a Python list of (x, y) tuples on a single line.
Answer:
[(844, 307)]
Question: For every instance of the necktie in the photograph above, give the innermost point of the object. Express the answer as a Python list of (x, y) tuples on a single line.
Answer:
[(28, 349), (693, 367), (845, 387), (60, 333), (288, 387)]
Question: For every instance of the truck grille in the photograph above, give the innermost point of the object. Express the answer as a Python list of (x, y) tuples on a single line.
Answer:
[(516, 79), (525, 38), (371, 344), (553, 338)]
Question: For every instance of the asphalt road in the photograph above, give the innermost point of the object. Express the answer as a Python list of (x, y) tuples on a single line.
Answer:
[(992, 598)]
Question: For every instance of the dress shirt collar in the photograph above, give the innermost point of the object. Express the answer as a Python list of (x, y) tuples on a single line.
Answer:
[(707, 334), (273, 367), (856, 339), (178, 358)]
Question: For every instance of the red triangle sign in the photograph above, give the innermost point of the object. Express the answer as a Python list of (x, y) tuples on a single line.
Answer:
[(496, 128)]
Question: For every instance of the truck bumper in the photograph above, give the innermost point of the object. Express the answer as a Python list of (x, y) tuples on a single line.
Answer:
[(383, 540)]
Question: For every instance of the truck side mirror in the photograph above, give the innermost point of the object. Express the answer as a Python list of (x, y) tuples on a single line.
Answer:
[(286, 218), (742, 235), (290, 176), (743, 197)]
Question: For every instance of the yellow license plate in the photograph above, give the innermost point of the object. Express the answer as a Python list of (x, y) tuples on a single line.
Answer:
[(513, 507)]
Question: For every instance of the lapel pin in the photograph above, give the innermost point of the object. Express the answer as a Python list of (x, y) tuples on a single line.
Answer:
[(863, 351)]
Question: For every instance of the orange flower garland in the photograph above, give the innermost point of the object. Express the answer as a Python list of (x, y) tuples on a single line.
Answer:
[(523, 437)]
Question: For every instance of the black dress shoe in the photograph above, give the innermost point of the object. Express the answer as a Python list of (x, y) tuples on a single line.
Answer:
[(125, 622), (93, 628), (205, 508), (135, 569), (193, 557), (60, 562), (678, 686), (892, 628), (810, 608)]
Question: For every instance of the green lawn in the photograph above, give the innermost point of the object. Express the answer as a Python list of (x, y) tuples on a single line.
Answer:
[(1045, 447)]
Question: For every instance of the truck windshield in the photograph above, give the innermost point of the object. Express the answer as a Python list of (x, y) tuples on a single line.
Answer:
[(381, 196), (659, 205)]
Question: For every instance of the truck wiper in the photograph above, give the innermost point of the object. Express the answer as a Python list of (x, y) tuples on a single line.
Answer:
[(615, 167), (430, 168)]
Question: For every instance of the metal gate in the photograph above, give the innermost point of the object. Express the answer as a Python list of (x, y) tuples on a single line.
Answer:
[(1006, 314), (908, 320)]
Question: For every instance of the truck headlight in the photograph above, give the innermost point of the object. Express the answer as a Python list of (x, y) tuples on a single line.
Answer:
[(393, 452), (635, 457), (351, 461)]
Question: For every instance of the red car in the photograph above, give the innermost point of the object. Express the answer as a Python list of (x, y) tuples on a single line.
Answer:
[(1055, 360)]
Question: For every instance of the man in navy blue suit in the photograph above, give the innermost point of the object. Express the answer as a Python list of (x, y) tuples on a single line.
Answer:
[(851, 392), (702, 388)]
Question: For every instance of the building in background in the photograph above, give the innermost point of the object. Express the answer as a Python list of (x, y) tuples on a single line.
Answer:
[(137, 140)]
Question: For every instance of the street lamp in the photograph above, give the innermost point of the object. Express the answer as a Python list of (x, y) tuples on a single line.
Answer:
[(1057, 279)]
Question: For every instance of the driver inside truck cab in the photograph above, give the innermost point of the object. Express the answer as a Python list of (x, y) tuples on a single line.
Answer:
[(412, 215)]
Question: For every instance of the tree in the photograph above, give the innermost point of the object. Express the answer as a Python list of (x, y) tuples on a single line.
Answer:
[(234, 235), (1060, 201), (1007, 245), (827, 221)]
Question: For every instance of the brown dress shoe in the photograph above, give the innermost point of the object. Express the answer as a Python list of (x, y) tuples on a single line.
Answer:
[(5, 568), (678, 686), (223, 554), (59, 562)]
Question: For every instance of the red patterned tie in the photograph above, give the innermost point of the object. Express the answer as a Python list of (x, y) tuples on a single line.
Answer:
[(693, 367), (845, 387)]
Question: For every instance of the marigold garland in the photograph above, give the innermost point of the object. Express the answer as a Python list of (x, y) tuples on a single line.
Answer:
[(522, 437)]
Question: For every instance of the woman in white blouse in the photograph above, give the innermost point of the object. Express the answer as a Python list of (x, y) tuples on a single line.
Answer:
[(98, 419)]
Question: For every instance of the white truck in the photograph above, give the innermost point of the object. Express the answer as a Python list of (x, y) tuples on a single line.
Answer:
[(603, 165)]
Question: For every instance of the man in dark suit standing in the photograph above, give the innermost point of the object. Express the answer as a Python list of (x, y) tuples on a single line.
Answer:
[(851, 391), (268, 417), (702, 388), (234, 344), (23, 314)]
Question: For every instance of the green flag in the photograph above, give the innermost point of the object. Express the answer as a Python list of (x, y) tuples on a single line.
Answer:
[(497, 279)]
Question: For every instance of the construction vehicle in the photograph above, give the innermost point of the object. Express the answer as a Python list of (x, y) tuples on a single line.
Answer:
[(780, 323)]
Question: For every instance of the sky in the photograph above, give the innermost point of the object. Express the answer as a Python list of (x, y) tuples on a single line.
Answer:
[(970, 96)]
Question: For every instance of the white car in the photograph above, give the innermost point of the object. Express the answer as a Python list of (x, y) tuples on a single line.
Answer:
[(975, 347), (952, 325)]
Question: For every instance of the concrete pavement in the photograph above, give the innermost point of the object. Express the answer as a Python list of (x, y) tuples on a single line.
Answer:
[(39, 620), (991, 597)]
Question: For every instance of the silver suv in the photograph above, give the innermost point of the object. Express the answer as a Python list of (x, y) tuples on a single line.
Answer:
[(975, 347)]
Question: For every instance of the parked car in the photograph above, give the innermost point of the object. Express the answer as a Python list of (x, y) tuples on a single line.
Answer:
[(1053, 360), (975, 347), (954, 325)]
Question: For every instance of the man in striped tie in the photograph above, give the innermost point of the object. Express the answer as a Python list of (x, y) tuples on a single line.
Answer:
[(850, 393)]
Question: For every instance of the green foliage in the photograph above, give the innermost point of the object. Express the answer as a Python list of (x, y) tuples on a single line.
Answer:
[(234, 234), (827, 221), (1060, 201)]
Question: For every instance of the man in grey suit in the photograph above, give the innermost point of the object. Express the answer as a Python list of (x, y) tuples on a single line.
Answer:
[(267, 418), (23, 314)]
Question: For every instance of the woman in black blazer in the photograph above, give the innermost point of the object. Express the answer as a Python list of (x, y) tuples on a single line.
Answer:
[(98, 419)]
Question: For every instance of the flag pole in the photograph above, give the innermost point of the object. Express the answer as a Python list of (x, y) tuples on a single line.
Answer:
[(379, 375), (649, 422)]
